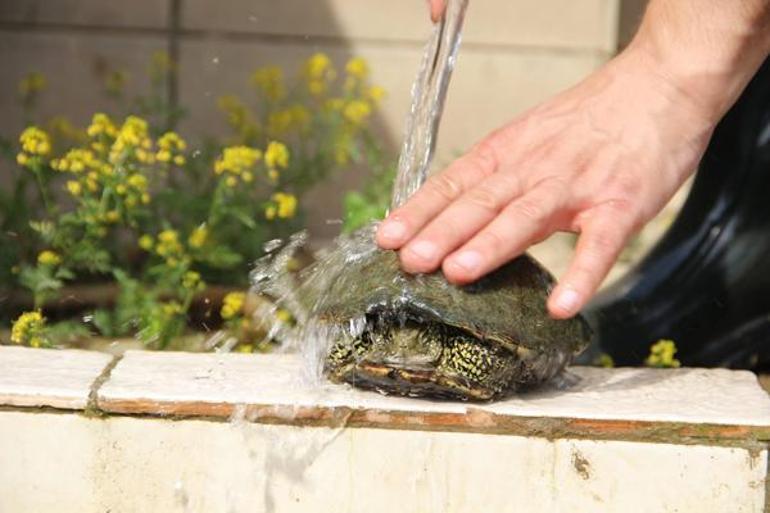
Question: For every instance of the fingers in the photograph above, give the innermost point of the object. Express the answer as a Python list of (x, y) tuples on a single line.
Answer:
[(601, 240), (524, 221), (436, 9), (460, 221), (433, 197)]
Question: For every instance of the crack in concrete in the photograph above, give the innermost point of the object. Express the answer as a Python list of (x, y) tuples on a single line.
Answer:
[(92, 406)]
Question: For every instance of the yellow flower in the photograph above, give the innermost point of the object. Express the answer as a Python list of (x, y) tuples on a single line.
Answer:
[(283, 315), (168, 243), (285, 206), (198, 237), (318, 73), (192, 281), (357, 68), (232, 304), (74, 187), (270, 212), (48, 257), (662, 354), (32, 84), (113, 216), (28, 329), (375, 93), (605, 360), (179, 160), (132, 135), (22, 159), (318, 66), (137, 181), (35, 141), (270, 81), (236, 160), (146, 242), (172, 142), (76, 161), (101, 124), (171, 308), (357, 111), (171, 145), (276, 155), (272, 174)]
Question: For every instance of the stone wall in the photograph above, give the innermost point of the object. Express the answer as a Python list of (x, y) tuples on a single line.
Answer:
[(207, 433)]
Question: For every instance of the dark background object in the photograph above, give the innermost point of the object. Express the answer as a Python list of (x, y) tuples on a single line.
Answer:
[(706, 284)]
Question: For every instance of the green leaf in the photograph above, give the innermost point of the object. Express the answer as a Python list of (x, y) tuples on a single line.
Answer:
[(66, 332), (359, 211), (104, 322)]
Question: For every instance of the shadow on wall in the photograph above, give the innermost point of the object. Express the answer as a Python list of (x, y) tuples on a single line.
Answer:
[(75, 43)]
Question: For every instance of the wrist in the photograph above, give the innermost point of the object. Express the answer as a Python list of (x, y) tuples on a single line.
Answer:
[(707, 49)]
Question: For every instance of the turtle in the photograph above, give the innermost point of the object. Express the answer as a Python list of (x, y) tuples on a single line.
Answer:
[(419, 336)]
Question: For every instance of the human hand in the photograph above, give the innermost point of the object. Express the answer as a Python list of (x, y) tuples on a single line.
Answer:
[(600, 159), (437, 8)]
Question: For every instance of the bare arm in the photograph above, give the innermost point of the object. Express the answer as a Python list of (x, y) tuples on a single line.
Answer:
[(601, 158)]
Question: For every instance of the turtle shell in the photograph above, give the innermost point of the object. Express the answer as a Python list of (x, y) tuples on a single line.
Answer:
[(508, 306)]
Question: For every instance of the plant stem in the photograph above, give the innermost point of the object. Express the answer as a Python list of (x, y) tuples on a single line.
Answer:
[(43, 191)]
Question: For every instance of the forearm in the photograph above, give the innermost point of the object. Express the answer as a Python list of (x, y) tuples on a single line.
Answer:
[(708, 48)]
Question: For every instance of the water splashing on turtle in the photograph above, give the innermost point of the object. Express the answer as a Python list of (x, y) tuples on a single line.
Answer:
[(363, 321), (304, 295)]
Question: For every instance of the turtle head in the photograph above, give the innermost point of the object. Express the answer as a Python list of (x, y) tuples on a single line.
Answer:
[(420, 358)]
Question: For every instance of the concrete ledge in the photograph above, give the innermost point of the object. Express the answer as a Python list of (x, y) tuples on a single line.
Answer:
[(39, 378), (678, 406), (230, 432)]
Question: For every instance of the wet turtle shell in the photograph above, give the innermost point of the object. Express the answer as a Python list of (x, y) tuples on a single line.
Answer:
[(497, 330)]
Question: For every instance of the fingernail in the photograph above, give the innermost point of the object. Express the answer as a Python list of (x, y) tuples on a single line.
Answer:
[(568, 300), (393, 230), (424, 250), (468, 260)]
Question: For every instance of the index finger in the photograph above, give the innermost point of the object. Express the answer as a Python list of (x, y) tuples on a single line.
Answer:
[(435, 195)]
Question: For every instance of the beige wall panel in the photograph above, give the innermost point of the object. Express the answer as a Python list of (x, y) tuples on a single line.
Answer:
[(136, 13), (586, 24), (69, 63)]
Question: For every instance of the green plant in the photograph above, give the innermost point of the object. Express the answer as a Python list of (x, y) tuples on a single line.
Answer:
[(126, 201)]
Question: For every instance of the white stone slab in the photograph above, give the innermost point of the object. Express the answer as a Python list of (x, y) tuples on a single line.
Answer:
[(73, 464), (166, 380), (47, 377)]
